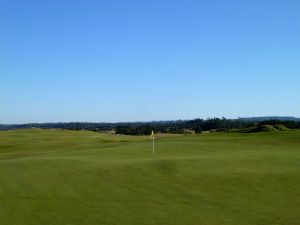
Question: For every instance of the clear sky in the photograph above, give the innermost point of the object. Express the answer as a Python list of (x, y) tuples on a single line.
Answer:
[(119, 60)]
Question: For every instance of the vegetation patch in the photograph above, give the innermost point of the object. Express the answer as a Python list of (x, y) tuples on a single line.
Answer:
[(280, 127), (262, 128)]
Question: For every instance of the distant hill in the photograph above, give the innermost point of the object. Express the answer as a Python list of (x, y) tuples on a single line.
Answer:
[(262, 128), (264, 118)]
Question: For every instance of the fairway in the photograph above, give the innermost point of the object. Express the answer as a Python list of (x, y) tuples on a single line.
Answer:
[(60, 177)]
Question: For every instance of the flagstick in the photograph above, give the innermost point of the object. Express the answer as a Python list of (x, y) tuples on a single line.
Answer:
[(153, 147)]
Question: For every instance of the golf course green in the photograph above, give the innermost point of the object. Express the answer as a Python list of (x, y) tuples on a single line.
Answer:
[(61, 177)]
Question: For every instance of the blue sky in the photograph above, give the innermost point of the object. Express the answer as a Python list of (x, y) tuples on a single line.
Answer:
[(148, 60)]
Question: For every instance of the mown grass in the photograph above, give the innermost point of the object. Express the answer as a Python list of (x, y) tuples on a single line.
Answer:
[(84, 178)]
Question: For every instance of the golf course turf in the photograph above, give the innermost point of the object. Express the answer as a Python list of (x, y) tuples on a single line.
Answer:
[(61, 177)]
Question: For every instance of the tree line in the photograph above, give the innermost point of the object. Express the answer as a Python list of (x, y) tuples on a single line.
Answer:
[(145, 128)]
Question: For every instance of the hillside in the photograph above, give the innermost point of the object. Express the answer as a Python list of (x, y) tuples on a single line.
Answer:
[(262, 128)]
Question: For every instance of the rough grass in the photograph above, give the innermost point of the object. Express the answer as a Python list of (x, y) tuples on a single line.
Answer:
[(83, 178), (280, 127), (262, 128)]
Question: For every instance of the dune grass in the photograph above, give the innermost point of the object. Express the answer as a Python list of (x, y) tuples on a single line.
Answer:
[(58, 177)]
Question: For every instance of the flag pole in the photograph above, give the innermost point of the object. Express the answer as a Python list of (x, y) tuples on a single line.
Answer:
[(153, 144), (153, 148)]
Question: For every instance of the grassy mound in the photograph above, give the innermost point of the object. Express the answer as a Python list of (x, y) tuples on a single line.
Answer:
[(281, 127), (262, 128)]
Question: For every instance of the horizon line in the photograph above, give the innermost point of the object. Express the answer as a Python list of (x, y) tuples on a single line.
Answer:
[(151, 121)]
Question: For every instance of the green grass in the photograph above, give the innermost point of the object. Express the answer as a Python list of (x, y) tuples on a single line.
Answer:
[(56, 177)]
